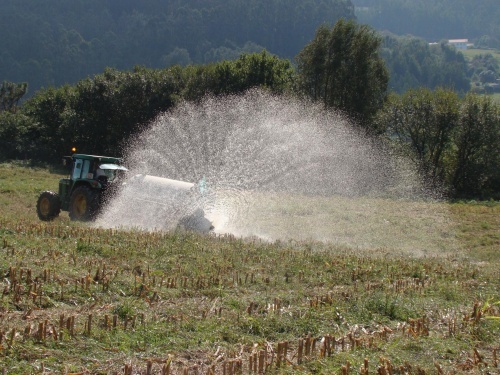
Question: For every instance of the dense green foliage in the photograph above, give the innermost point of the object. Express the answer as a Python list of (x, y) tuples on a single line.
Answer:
[(424, 120), (341, 68), (484, 71), (434, 20), (10, 94), (476, 164), (58, 41), (99, 114), (412, 63), (454, 141)]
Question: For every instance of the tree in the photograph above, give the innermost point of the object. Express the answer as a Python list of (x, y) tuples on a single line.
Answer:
[(264, 70), (10, 94), (232, 77), (342, 68), (454, 141), (477, 159), (100, 114), (13, 127), (424, 121), (487, 76), (43, 139)]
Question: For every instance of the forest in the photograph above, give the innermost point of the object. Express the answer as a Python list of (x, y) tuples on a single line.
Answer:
[(55, 42), (105, 69), (435, 20)]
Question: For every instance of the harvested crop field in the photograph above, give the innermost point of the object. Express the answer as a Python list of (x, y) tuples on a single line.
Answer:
[(82, 299)]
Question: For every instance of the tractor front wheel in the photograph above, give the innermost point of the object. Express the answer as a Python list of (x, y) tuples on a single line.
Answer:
[(83, 204), (48, 206)]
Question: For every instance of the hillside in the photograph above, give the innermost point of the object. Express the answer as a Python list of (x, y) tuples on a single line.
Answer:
[(60, 41), (433, 20)]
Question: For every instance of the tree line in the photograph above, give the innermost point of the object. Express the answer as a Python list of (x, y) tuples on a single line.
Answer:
[(98, 114), (453, 139)]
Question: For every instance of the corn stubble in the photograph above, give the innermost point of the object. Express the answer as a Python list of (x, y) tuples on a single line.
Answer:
[(171, 303)]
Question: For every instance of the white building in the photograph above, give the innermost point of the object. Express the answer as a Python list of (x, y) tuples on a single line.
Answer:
[(459, 43)]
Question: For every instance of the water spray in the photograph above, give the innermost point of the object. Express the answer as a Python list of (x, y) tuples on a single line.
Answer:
[(281, 168)]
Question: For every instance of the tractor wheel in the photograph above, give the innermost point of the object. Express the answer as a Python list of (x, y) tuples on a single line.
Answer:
[(48, 206), (83, 204)]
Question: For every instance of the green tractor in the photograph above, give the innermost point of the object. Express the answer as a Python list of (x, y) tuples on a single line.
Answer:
[(91, 179)]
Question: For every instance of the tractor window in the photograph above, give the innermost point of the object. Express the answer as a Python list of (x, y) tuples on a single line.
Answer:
[(77, 171), (86, 173)]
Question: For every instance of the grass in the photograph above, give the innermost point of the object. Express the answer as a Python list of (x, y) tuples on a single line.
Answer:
[(472, 52), (182, 302)]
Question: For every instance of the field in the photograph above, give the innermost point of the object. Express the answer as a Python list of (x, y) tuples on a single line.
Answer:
[(470, 53), (77, 299)]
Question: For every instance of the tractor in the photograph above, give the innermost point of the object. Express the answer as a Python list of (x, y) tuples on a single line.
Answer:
[(82, 194), (94, 180)]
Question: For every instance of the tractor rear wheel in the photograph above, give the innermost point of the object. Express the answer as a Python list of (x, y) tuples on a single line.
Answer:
[(83, 204), (48, 206)]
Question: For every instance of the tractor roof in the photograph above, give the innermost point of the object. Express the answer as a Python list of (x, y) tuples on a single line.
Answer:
[(101, 159)]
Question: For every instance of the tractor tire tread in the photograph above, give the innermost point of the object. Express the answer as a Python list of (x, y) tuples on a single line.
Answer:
[(48, 205), (91, 198)]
